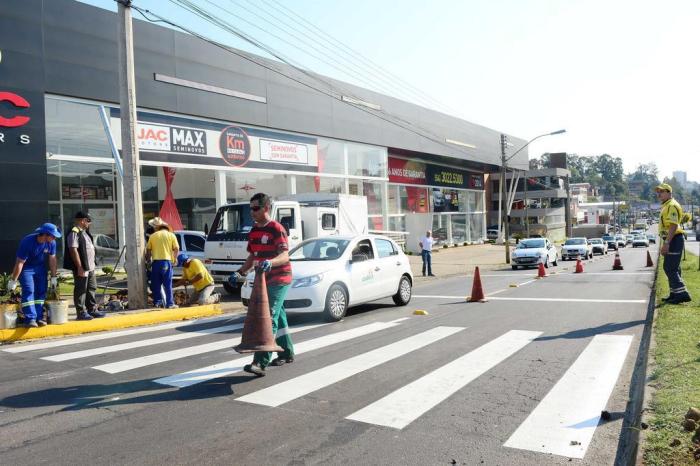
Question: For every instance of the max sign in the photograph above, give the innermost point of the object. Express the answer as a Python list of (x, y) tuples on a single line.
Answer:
[(14, 120), (159, 138)]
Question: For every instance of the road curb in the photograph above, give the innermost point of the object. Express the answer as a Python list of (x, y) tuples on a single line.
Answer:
[(110, 323)]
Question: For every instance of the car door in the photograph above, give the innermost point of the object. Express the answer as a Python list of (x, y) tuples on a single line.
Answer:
[(551, 251), (364, 272), (194, 245), (389, 266)]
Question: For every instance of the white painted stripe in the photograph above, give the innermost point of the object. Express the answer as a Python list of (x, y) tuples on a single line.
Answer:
[(104, 336), (567, 300), (565, 420), (312, 381), (224, 369), (141, 343), (142, 361), (613, 273), (405, 405)]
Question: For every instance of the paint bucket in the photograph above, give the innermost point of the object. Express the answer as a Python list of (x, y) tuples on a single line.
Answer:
[(58, 311), (8, 315)]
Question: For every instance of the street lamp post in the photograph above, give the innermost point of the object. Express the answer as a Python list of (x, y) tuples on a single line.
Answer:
[(504, 161)]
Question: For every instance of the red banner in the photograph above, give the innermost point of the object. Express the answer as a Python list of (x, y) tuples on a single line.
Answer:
[(168, 211), (406, 171)]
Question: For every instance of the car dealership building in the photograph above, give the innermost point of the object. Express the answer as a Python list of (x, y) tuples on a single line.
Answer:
[(214, 127)]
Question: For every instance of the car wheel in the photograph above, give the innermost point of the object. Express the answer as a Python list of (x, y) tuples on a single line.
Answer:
[(336, 303), (231, 289), (546, 262), (245, 302), (514, 267), (403, 295), (554, 262)]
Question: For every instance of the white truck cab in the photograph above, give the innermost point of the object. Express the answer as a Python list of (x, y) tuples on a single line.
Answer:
[(303, 216)]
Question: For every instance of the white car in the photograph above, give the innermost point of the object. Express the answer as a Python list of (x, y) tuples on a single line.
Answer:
[(191, 243), (640, 240), (576, 248), (598, 245), (331, 274), (534, 251)]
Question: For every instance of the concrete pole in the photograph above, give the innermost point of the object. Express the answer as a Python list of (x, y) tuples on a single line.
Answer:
[(567, 213), (506, 228), (527, 218), (133, 215)]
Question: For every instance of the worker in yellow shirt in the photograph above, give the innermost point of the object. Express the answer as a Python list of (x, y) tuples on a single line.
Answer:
[(194, 272), (162, 249), (670, 220)]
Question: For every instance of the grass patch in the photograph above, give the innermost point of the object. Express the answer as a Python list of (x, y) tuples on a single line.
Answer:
[(676, 371)]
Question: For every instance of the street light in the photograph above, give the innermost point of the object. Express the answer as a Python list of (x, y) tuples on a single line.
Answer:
[(504, 161)]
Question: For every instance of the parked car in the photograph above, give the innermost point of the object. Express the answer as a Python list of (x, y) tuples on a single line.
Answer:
[(534, 251), (492, 234), (575, 248), (106, 250), (652, 238), (640, 240), (191, 243), (599, 246), (621, 241), (332, 273), (629, 238), (611, 241)]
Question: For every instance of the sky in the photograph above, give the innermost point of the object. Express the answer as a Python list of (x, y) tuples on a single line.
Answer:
[(621, 76)]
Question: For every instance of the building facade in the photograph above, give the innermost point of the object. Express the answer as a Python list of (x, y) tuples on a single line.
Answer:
[(213, 127)]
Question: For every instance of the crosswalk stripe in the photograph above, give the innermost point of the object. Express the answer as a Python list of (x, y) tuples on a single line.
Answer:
[(141, 343), (403, 406), (224, 369), (553, 300), (142, 361), (564, 422), (20, 348), (299, 386)]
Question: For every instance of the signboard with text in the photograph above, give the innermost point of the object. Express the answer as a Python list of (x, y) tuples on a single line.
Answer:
[(412, 172)]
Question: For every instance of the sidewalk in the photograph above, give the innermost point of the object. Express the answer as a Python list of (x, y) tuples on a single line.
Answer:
[(460, 260)]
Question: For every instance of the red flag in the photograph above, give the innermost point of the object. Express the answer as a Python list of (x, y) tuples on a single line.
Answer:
[(168, 211), (321, 160)]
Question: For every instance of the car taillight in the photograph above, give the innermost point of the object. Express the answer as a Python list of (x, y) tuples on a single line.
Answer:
[(208, 261)]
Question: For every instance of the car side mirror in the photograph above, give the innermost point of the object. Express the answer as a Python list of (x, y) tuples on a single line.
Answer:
[(358, 258)]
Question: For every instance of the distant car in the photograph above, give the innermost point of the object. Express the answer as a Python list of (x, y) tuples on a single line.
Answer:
[(629, 238), (332, 273), (611, 241), (534, 251), (106, 249), (652, 238), (575, 248), (599, 246), (191, 243), (640, 240), (492, 234), (621, 240)]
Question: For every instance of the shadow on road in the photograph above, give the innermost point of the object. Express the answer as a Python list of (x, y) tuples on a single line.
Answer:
[(592, 331)]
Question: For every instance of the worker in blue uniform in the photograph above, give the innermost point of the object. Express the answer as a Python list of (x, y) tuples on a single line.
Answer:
[(30, 271)]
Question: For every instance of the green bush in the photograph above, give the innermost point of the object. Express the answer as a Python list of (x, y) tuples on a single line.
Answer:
[(464, 244), (444, 246), (108, 269)]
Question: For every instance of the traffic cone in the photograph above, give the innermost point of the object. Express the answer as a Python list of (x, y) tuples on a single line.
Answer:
[(540, 271), (477, 289), (617, 265), (579, 266), (257, 327), (650, 263)]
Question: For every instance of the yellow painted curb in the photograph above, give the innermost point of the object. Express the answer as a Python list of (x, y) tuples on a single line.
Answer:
[(513, 285), (110, 323), (420, 312)]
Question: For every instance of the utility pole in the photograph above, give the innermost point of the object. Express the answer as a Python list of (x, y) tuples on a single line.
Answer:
[(506, 229), (527, 217), (567, 212), (133, 215)]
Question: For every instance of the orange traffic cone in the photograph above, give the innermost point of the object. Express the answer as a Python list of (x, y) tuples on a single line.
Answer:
[(579, 266), (617, 265), (540, 271), (477, 289), (650, 263), (257, 328)]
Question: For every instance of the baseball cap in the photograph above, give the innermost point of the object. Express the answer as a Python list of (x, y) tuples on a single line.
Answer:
[(49, 228), (80, 214), (182, 258), (664, 187)]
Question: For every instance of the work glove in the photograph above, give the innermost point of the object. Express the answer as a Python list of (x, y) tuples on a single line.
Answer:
[(11, 285), (233, 279), (54, 282), (265, 265)]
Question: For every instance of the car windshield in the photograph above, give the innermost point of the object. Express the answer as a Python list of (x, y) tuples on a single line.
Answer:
[(596, 241), (575, 241), (232, 223), (319, 249), (608, 238), (531, 244)]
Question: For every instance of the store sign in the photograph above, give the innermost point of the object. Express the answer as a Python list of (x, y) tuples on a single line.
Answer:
[(285, 152), (447, 177), (161, 138), (14, 121), (406, 171), (234, 146), (189, 141), (476, 182)]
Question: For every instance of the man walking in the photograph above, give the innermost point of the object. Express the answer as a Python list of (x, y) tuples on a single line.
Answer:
[(194, 272), (30, 270), (670, 229), (79, 257), (163, 249), (268, 252), (426, 252)]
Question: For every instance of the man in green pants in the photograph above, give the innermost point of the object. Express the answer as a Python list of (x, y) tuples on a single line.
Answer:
[(268, 252)]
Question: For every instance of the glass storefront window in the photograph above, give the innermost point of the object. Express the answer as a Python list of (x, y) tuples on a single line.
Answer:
[(449, 200), (413, 200), (307, 184), (331, 156), (74, 128), (241, 186), (459, 228), (476, 227), (366, 160)]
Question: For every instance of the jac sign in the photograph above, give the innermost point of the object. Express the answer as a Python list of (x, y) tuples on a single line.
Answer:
[(14, 120), (160, 138)]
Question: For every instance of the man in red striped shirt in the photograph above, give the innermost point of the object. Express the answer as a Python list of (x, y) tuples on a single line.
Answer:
[(268, 252)]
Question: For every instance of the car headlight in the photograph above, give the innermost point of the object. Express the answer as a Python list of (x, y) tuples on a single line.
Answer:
[(307, 281)]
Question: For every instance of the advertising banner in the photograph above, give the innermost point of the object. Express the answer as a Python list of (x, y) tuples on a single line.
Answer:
[(407, 171), (412, 172)]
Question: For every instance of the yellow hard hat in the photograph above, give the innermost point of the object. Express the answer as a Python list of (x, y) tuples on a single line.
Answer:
[(664, 187)]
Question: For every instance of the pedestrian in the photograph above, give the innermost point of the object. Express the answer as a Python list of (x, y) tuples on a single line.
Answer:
[(194, 272), (30, 270), (426, 252), (162, 249), (671, 232), (79, 258), (268, 252)]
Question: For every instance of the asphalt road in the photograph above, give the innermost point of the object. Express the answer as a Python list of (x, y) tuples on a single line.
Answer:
[(521, 379)]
